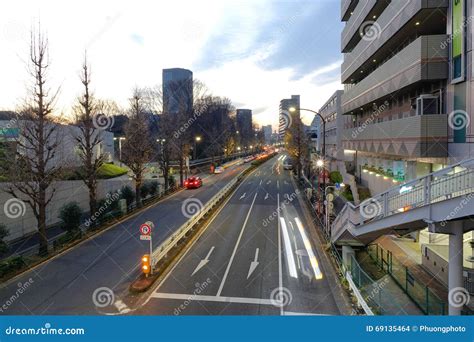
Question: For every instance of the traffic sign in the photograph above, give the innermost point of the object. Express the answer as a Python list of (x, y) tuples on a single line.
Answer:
[(145, 229)]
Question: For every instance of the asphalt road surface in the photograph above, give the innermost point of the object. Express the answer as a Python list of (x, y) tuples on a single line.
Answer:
[(84, 279), (255, 258)]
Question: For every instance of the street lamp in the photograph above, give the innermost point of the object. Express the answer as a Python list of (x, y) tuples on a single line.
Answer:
[(196, 140), (319, 163), (336, 187), (120, 139)]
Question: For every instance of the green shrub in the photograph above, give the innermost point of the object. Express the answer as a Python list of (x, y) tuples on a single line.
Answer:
[(335, 177), (3, 234), (364, 194), (11, 265), (127, 194), (145, 190), (153, 187), (70, 215)]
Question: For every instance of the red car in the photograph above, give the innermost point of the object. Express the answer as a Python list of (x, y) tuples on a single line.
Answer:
[(193, 182)]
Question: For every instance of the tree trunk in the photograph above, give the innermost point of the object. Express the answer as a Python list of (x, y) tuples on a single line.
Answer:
[(43, 238), (92, 200), (138, 196)]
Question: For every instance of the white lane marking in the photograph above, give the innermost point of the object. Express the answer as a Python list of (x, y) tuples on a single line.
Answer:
[(280, 273), (236, 246), (266, 196), (193, 297), (269, 182), (203, 262), (278, 184), (122, 307), (243, 196), (290, 259), (261, 181), (312, 258), (253, 264)]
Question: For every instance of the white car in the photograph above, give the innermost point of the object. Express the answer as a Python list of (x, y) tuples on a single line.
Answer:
[(219, 169)]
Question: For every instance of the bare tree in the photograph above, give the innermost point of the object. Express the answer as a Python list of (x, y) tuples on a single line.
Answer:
[(89, 138), (137, 149), (36, 163)]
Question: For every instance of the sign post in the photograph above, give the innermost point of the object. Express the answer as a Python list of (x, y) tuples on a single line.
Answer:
[(146, 230)]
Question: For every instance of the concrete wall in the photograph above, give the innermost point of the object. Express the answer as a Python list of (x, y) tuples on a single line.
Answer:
[(66, 191), (435, 264)]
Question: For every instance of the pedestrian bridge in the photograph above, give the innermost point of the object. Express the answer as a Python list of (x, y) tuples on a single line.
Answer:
[(430, 201)]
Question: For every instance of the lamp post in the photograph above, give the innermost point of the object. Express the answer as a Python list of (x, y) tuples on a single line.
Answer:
[(326, 221), (196, 140), (323, 150), (120, 139)]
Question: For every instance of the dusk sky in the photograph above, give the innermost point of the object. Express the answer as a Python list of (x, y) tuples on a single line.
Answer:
[(254, 52)]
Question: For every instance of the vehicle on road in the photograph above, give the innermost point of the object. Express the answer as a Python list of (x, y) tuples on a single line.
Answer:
[(219, 169), (288, 164), (193, 182)]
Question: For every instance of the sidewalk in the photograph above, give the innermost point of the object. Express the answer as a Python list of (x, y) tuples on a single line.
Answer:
[(405, 253)]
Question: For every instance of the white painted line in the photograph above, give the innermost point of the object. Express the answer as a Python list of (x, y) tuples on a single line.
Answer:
[(193, 297), (236, 246), (122, 307), (261, 181), (243, 196), (290, 259), (312, 258), (266, 196), (280, 273), (203, 262), (278, 184)]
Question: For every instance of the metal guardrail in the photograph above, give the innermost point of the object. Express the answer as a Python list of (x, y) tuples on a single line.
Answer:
[(454, 181)]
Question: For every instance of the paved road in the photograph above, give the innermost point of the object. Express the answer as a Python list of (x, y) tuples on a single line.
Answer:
[(66, 284), (252, 259)]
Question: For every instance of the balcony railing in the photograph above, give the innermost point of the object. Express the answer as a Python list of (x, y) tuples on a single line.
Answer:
[(421, 60), (355, 21)]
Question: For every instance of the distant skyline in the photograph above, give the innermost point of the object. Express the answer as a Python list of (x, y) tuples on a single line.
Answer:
[(253, 52)]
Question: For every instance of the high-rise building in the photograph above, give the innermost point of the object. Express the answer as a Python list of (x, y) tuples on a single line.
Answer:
[(395, 74), (267, 133), (177, 90), (244, 126), (286, 116)]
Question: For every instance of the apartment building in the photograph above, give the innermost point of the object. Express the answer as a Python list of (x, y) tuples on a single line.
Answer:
[(395, 75)]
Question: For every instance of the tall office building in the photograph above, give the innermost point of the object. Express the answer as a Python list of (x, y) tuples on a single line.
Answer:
[(286, 117), (395, 73), (244, 126), (177, 90), (267, 133)]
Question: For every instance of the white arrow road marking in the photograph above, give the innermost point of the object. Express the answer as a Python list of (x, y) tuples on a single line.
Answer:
[(261, 182), (266, 196), (203, 262), (253, 264), (243, 196), (269, 182)]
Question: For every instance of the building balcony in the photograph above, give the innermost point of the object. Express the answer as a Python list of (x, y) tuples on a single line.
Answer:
[(422, 60), (346, 8), (350, 33), (400, 20), (421, 136)]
